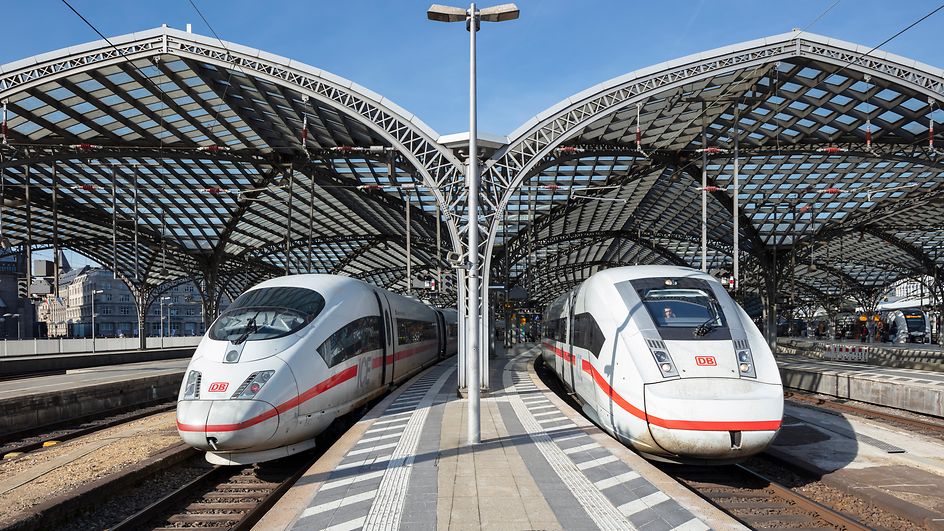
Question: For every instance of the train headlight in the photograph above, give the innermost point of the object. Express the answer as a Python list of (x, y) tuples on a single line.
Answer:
[(746, 363), (665, 363), (192, 389), (252, 385)]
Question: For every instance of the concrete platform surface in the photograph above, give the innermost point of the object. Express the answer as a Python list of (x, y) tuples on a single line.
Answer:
[(540, 465), (906, 389), (32, 403), (89, 376)]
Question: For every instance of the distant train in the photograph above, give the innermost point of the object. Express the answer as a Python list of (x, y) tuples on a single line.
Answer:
[(907, 325), (665, 361), (292, 354)]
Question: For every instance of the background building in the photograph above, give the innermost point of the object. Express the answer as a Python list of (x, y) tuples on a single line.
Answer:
[(12, 269), (179, 308)]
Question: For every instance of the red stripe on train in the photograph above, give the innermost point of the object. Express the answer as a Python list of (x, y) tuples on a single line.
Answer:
[(695, 425), (321, 387)]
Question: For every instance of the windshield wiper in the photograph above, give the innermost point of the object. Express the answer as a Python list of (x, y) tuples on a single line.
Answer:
[(706, 327), (248, 331)]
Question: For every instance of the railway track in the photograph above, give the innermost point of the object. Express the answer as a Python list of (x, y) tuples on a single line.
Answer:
[(224, 497), (15, 444), (759, 502)]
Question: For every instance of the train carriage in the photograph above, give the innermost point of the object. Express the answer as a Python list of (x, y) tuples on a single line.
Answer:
[(292, 354), (665, 361)]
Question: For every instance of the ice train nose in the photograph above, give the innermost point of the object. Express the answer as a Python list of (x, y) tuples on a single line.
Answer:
[(714, 418), (226, 425)]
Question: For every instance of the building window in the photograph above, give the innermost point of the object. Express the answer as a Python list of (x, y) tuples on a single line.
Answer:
[(125, 310), (124, 297), (190, 312), (106, 310)]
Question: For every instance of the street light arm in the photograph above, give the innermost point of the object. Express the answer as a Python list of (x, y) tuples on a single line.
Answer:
[(499, 13), (441, 13)]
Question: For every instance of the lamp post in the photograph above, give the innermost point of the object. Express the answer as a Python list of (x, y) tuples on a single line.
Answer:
[(472, 17), (162, 319), (94, 293)]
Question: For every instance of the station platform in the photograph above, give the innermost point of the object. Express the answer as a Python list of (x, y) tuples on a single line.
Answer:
[(540, 465), (29, 403), (31, 364), (923, 356), (920, 391)]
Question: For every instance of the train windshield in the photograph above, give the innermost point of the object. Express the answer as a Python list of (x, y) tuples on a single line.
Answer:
[(267, 313), (682, 308), (915, 320)]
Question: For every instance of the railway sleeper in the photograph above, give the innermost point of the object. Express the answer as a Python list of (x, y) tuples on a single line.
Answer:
[(231, 506), (235, 496), (203, 517)]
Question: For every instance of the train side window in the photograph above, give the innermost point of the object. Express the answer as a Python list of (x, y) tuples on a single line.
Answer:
[(555, 329), (355, 338), (587, 333), (411, 331)]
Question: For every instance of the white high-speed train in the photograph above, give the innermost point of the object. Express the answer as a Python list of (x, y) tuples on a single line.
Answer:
[(664, 360), (291, 354)]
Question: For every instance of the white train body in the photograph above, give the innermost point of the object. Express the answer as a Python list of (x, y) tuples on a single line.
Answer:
[(664, 360), (292, 354)]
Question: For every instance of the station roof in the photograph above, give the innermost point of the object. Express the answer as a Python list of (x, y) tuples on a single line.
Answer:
[(168, 155), (840, 180), (170, 152)]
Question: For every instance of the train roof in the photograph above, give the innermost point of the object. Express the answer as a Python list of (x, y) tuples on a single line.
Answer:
[(334, 285), (619, 274), (622, 274)]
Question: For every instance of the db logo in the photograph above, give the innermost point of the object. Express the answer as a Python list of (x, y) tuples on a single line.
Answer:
[(705, 361), (218, 387)]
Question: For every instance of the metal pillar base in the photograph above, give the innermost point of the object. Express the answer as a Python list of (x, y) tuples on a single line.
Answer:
[(463, 392)]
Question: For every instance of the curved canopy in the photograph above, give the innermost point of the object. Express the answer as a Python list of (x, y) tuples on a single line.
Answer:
[(166, 154), (836, 169)]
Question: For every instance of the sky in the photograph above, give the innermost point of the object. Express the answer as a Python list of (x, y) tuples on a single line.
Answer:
[(555, 49)]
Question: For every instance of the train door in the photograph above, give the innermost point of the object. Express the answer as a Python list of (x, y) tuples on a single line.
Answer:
[(569, 352), (390, 352), (441, 324), (384, 339)]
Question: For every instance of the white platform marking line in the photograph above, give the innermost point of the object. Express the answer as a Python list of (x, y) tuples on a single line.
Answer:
[(597, 462), (692, 525), (635, 506), (558, 418), (616, 480), (596, 505), (581, 448), (568, 437), (370, 449), (389, 421), (546, 413), (350, 480), (538, 408), (325, 507), (387, 509), (350, 525), (378, 438), (385, 428)]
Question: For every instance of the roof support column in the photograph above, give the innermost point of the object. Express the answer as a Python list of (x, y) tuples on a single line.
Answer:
[(142, 302), (210, 291), (769, 298)]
